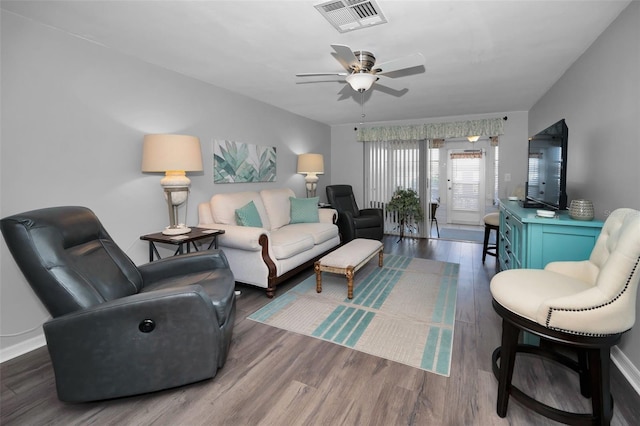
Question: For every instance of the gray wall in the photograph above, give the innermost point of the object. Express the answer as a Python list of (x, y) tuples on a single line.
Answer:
[(73, 119), (599, 96)]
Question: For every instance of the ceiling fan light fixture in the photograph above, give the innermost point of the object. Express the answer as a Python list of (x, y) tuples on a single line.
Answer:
[(361, 82), (473, 138)]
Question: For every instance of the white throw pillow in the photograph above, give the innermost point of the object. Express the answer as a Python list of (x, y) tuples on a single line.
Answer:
[(278, 207), (224, 206)]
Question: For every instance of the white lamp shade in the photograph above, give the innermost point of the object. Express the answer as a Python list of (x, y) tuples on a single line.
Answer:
[(361, 82), (161, 153), (311, 163), (473, 138)]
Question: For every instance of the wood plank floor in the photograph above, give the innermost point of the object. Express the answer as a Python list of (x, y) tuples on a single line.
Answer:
[(275, 377)]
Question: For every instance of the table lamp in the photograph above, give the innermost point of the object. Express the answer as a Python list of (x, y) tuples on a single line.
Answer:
[(174, 155), (311, 165)]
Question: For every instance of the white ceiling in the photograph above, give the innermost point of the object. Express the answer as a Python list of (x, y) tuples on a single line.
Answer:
[(481, 56)]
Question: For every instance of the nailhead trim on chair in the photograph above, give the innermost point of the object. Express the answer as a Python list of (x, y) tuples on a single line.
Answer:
[(551, 310)]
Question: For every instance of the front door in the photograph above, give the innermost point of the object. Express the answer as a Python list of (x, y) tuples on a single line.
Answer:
[(465, 186)]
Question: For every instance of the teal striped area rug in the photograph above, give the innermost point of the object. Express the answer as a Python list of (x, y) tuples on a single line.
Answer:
[(403, 312)]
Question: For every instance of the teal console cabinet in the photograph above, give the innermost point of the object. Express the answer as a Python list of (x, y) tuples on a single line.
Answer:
[(529, 241)]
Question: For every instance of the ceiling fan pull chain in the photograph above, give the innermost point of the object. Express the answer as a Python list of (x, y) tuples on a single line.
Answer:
[(362, 104)]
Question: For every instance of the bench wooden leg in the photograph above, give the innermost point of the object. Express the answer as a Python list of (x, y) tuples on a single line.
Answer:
[(349, 275), (380, 255), (316, 267)]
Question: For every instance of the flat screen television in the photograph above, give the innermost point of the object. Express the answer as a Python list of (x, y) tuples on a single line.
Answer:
[(547, 168)]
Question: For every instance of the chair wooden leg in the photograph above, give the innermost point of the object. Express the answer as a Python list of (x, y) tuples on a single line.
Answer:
[(599, 371), (485, 245), (510, 335), (316, 268), (593, 366), (583, 372)]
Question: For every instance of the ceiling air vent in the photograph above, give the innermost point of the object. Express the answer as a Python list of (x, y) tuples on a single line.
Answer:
[(349, 15)]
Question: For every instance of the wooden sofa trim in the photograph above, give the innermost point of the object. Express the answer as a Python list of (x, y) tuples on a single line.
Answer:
[(273, 279)]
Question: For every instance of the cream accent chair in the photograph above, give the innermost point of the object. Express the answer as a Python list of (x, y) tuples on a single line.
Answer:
[(584, 305)]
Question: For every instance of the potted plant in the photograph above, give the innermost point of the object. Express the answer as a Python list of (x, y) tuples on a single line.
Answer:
[(406, 204)]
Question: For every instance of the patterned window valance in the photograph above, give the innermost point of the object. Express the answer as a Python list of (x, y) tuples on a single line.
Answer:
[(466, 154), (391, 133), (454, 129)]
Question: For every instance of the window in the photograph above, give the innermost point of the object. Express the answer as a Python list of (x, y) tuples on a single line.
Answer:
[(390, 165), (465, 180), (434, 182), (534, 174), (424, 167), (496, 174)]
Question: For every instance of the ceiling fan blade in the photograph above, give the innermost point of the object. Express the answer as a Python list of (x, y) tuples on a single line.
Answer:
[(332, 81), (410, 61), (390, 83), (345, 56), (317, 74)]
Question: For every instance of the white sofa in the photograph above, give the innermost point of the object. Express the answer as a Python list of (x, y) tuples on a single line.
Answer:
[(279, 249)]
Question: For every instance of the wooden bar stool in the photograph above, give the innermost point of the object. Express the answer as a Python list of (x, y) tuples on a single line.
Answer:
[(491, 222), (434, 208)]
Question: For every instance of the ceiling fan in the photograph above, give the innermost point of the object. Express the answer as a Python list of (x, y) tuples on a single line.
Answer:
[(361, 67)]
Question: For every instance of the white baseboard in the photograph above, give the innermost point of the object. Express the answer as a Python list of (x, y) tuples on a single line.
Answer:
[(628, 370), (22, 348)]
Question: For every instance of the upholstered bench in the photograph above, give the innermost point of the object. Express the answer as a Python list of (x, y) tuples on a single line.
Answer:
[(347, 260)]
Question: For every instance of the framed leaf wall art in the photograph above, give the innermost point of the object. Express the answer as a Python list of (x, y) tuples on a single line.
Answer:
[(236, 162)]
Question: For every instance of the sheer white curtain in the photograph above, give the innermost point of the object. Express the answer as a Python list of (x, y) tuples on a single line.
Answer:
[(390, 165)]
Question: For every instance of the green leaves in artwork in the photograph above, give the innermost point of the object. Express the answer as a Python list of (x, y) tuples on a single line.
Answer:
[(267, 166), (240, 162)]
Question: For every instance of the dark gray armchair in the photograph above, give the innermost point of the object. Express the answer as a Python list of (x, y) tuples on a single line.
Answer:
[(119, 329), (353, 222)]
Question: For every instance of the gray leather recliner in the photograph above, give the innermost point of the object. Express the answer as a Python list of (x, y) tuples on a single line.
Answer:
[(352, 221), (119, 329)]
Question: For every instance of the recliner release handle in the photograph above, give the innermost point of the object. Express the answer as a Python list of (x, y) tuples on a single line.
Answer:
[(147, 326)]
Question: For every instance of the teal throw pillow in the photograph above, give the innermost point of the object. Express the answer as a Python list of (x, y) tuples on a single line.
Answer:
[(248, 215), (304, 210)]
